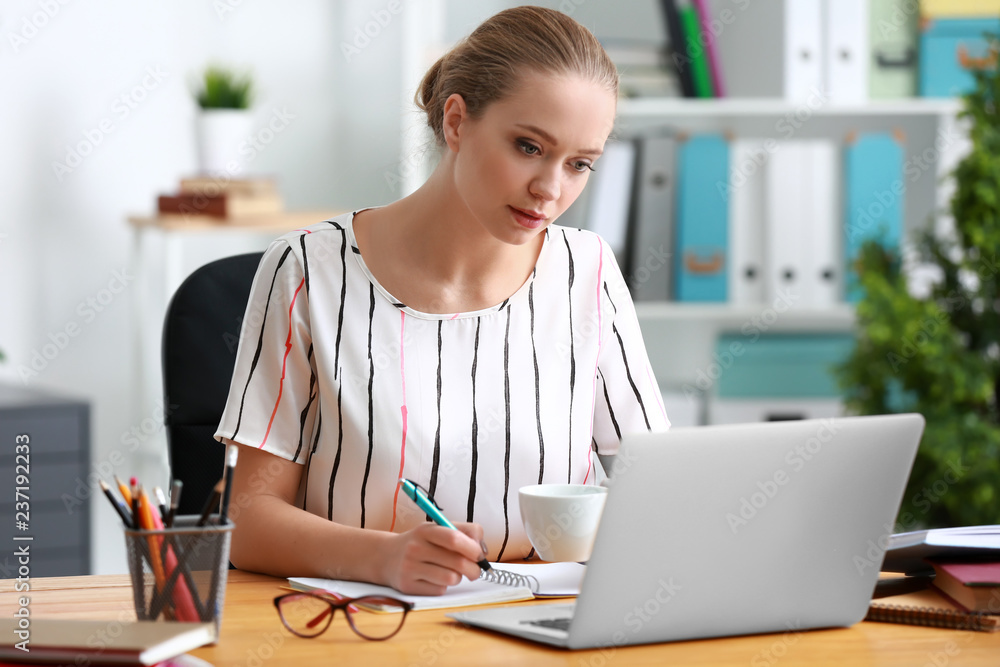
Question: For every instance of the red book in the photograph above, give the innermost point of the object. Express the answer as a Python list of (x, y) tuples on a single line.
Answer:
[(975, 586)]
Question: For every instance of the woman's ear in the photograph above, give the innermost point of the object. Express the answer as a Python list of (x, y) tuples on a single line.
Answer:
[(455, 113)]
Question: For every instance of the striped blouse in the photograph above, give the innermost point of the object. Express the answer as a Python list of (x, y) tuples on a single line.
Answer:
[(335, 373)]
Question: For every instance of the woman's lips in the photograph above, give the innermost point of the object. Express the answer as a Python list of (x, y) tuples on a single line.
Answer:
[(529, 219)]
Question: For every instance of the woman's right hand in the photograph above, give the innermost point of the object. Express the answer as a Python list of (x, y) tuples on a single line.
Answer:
[(429, 558)]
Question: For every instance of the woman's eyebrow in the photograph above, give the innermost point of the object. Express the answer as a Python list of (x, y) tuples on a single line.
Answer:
[(552, 140)]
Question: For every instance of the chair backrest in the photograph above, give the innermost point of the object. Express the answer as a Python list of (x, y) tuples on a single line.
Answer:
[(201, 333)]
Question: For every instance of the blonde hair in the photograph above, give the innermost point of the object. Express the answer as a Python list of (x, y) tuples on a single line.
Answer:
[(487, 65)]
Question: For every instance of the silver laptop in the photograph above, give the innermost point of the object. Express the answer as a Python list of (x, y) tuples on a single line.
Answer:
[(731, 530)]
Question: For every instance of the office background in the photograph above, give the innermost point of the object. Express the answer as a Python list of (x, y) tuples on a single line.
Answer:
[(98, 119)]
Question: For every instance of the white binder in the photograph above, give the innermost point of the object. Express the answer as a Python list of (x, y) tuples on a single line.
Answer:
[(748, 162), (803, 49), (786, 207), (846, 50), (771, 48), (823, 276), (803, 247), (611, 195)]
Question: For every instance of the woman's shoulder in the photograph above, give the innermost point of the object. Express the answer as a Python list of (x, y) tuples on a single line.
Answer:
[(576, 236), (319, 236), (583, 244)]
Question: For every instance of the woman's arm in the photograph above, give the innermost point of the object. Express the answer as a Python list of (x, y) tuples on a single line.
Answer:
[(275, 537)]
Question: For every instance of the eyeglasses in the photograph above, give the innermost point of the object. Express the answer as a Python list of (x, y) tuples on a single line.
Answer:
[(309, 614)]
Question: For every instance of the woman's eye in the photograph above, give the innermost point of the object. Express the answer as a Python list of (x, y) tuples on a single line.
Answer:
[(582, 166), (528, 148)]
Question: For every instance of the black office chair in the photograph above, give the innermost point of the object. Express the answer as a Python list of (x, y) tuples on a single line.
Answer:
[(201, 333)]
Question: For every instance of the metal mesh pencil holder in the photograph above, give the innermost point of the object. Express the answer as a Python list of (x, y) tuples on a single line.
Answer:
[(179, 573)]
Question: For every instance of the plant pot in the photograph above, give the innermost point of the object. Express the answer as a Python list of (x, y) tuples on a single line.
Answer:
[(220, 133)]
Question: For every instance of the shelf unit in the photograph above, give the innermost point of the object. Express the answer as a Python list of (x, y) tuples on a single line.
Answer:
[(680, 337)]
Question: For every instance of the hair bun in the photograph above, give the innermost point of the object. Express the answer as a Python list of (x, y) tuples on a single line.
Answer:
[(485, 66)]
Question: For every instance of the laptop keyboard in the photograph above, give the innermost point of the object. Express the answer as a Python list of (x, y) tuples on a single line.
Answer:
[(551, 623)]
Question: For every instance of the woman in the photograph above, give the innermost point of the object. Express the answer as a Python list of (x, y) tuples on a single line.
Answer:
[(455, 337)]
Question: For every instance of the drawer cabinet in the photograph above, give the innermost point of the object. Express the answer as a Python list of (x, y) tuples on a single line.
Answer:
[(58, 456)]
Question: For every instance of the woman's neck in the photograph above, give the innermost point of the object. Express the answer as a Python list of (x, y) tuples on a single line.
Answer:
[(429, 251)]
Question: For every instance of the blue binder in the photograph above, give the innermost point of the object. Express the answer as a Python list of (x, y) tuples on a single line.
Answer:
[(949, 49), (874, 199), (702, 219)]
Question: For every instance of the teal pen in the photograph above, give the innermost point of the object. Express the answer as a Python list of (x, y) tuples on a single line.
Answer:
[(432, 510)]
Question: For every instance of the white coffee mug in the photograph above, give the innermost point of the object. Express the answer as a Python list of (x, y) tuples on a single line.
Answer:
[(561, 519)]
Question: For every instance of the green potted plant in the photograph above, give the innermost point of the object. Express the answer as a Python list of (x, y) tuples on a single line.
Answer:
[(224, 119), (938, 353)]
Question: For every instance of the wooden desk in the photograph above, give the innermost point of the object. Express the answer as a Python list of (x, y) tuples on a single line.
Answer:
[(252, 635)]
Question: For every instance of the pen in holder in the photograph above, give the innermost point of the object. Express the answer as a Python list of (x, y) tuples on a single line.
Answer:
[(179, 573)]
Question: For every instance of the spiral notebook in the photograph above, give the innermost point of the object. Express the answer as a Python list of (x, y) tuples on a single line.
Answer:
[(932, 608), (512, 582)]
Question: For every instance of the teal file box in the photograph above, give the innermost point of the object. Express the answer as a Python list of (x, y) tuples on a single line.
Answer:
[(949, 49), (873, 206), (779, 365), (702, 219)]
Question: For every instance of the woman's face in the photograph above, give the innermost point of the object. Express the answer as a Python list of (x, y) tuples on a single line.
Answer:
[(527, 157)]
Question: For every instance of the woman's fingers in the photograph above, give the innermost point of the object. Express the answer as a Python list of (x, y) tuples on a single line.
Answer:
[(434, 558)]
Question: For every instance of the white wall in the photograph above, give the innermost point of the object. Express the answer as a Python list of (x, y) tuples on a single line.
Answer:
[(64, 69), (62, 240)]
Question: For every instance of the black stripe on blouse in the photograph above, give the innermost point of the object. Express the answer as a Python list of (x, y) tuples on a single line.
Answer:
[(315, 444), (538, 395), (371, 401), (432, 487), (611, 410), (628, 374), (475, 430), (305, 411), (336, 459), (343, 298), (506, 456), (260, 341), (305, 260), (572, 359)]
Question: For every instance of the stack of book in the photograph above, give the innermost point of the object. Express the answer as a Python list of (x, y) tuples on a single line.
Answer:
[(953, 579), (223, 198), (644, 68)]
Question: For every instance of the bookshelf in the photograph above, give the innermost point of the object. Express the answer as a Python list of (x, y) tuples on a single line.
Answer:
[(680, 336)]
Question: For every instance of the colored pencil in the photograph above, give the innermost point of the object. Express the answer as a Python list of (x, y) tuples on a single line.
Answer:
[(117, 504)]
